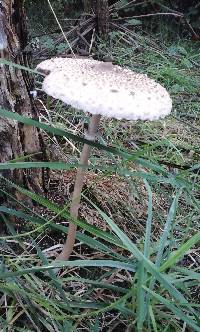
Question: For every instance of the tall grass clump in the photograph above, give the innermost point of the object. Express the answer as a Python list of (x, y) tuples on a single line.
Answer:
[(145, 284), (136, 264)]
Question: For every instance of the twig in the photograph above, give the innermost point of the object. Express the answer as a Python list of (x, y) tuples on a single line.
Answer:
[(70, 35), (61, 29), (127, 5), (148, 42), (92, 40), (83, 38), (167, 8), (115, 4), (191, 28), (149, 15)]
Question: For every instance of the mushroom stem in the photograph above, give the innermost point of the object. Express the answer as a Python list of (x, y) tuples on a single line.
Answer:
[(89, 135)]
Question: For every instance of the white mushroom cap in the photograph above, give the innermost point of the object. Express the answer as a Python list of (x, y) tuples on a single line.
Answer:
[(102, 88)]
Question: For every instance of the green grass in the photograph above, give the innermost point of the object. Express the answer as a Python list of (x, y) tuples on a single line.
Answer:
[(136, 264)]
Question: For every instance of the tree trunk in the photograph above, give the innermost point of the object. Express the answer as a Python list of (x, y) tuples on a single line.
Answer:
[(17, 139), (101, 9), (89, 5)]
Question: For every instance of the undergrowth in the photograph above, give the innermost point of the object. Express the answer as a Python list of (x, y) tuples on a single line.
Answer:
[(135, 266)]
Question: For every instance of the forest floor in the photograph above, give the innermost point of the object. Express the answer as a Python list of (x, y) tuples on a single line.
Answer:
[(171, 145)]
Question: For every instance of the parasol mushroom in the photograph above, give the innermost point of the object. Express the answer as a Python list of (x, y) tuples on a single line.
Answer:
[(102, 89)]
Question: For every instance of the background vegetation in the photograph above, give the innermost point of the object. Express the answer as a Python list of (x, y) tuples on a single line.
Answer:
[(135, 266)]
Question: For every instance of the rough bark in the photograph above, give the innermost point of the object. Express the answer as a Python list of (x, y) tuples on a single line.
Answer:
[(101, 9), (16, 139), (89, 5)]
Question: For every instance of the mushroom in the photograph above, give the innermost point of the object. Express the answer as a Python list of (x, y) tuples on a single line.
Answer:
[(102, 89)]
